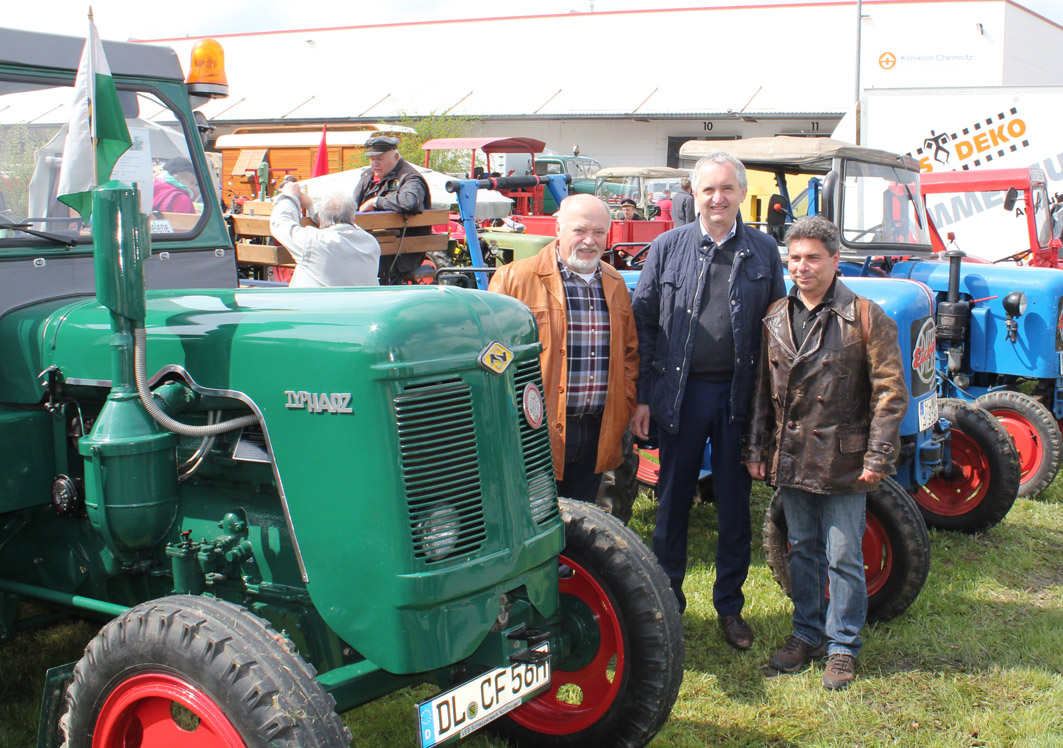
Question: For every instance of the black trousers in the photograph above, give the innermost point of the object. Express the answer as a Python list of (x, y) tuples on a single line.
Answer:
[(581, 455)]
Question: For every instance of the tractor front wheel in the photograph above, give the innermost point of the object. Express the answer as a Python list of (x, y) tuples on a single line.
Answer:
[(896, 549), (617, 683), (979, 485), (184, 672), (1035, 433)]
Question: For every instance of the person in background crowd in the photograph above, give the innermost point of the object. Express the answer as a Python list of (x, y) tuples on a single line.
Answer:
[(628, 210), (683, 204), (665, 205), (589, 352), (336, 252), (698, 306), (824, 429), (176, 188), (391, 183)]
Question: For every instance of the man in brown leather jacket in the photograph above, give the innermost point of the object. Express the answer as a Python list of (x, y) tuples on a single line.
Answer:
[(590, 357), (824, 430)]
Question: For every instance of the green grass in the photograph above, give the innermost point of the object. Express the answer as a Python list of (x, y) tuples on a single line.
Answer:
[(977, 661)]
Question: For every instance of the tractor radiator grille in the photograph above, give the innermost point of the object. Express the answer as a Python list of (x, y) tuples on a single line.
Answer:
[(535, 444), (440, 469)]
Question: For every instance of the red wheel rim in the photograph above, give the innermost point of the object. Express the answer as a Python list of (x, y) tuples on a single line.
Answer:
[(878, 555), (963, 492), (1027, 442), (138, 714), (648, 469), (550, 713)]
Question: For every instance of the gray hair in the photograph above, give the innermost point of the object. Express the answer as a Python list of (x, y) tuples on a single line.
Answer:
[(719, 157), (336, 209), (684, 184), (815, 227)]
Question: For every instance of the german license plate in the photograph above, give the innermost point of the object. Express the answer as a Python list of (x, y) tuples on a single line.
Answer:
[(928, 412), (466, 708)]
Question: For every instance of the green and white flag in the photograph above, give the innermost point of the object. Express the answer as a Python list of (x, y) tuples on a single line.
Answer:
[(97, 135)]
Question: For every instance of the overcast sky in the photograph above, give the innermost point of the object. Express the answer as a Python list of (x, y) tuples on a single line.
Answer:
[(137, 19)]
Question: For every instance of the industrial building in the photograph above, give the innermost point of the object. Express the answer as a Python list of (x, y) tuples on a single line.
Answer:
[(630, 87)]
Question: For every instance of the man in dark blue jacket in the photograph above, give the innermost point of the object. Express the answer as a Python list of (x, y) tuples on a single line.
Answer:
[(698, 308)]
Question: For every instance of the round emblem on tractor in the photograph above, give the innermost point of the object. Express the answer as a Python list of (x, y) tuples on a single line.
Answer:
[(533, 405), (471, 710), (925, 348)]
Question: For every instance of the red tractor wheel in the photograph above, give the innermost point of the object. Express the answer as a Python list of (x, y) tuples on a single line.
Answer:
[(578, 698), (141, 711), (896, 550), (979, 485), (196, 672), (618, 675), (878, 555), (1035, 434)]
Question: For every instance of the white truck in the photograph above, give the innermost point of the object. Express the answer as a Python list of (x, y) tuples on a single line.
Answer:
[(952, 129)]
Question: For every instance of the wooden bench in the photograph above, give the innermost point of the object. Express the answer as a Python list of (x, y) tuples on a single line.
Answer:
[(252, 226)]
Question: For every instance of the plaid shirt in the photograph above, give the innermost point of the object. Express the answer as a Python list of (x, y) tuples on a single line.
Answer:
[(587, 342)]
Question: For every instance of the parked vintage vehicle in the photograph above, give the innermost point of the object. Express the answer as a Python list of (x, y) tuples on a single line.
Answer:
[(1007, 213), (643, 184), (177, 463)]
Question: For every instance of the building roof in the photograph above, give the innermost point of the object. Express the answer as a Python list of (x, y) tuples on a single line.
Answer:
[(756, 61)]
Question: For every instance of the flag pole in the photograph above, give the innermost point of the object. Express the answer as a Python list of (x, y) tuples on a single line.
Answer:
[(90, 42)]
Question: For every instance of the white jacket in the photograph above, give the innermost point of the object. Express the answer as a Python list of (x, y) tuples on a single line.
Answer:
[(341, 255)]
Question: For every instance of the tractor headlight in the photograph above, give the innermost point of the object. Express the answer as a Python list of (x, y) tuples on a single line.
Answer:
[(438, 533), (1015, 303)]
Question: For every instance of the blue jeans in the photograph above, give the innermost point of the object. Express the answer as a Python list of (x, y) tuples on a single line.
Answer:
[(826, 545)]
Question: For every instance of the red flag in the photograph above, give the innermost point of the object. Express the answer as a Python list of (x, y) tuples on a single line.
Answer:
[(321, 160)]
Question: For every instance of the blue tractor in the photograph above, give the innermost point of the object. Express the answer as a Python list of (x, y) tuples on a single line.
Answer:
[(991, 351), (959, 463)]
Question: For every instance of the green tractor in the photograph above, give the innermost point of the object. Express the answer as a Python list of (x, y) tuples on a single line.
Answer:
[(282, 503)]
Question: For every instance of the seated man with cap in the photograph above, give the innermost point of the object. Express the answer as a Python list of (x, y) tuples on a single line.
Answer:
[(391, 183), (628, 210)]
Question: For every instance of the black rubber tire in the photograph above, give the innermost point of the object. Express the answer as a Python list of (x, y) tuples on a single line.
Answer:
[(905, 540), (1039, 445), (983, 447), (251, 673), (652, 633), (620, 486)]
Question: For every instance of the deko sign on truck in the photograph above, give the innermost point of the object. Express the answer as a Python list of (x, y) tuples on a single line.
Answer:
[(964, 129)]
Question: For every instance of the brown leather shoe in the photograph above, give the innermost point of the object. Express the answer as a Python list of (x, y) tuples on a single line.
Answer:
[(736, 631), (840, 671), (794, 654)]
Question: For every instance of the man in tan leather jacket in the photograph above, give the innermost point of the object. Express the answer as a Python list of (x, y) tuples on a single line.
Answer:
[(824, 429), (590, 353)]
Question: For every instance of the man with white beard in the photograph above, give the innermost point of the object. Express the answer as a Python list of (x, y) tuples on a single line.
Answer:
[(590, 355)]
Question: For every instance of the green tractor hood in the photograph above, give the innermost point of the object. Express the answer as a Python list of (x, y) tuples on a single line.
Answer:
[(364, 397)]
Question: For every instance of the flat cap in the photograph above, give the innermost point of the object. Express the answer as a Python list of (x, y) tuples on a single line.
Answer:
[(377, 145)]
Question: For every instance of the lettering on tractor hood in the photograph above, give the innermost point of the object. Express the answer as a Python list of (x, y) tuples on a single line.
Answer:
[(323, 402)]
